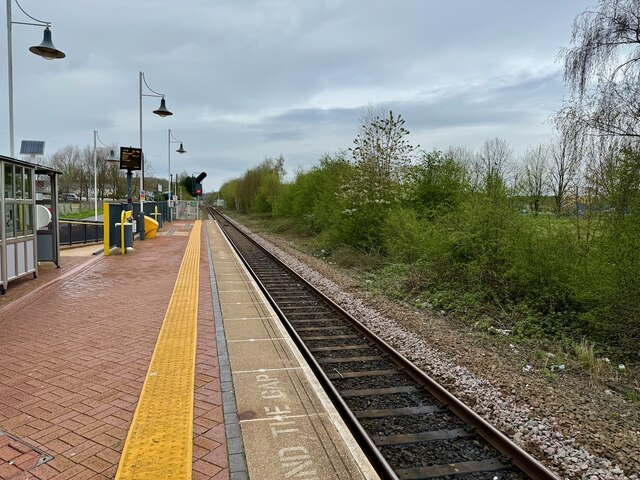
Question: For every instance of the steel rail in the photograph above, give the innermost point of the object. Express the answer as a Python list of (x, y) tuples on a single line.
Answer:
[(495, 437)]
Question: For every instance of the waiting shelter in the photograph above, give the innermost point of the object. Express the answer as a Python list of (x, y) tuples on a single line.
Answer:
[(19, 229)]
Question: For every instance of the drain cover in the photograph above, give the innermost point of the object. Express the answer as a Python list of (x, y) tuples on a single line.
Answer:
[(17, 456)]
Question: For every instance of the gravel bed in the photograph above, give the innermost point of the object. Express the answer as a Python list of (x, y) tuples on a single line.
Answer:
[(503, 475), (327, 333), (559, 451), (376, 381), (446, 451), (411, 423), (391, 400), (317, 314), (358, 366), (365, 351), (337, 342), (310, 324)]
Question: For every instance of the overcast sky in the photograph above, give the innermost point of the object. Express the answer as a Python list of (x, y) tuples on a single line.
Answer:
[(247, 79)]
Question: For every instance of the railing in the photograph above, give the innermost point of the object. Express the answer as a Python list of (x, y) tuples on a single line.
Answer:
[(74, 232)]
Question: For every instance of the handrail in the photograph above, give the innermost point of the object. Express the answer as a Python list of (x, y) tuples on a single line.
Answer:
[(80, 221)]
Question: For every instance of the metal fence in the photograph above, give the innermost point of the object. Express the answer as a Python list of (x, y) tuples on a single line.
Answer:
[(185, 210), (74, 232)]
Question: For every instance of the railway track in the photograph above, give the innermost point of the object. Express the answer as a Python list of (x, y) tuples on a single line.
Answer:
[(409, 426)]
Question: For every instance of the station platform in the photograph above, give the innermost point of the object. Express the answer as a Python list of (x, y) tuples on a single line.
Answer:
[(166, 362)]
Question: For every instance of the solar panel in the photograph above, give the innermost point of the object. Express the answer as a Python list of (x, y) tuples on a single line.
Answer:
[(32, 147)]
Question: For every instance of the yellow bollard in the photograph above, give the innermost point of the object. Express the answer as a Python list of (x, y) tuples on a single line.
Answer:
[(105, 229)]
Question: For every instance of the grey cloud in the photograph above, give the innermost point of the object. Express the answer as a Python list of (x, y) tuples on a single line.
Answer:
[(449, 67)]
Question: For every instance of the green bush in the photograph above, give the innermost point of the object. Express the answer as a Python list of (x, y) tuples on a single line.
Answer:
[(312, 200), (543, 259), (404, 236)]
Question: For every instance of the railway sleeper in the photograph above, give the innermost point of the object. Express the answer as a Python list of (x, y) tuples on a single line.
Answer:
[(313, 316), (303, 320), (323, 320), (306, 310), (288, 297), (274, 277), (431, 436), (368, 392), (398, 412), (339, 348), (330, 337), (307, 303), (371, 373), (349, 359), (284, 288), (328, 327), (435, 471), (288, 285)]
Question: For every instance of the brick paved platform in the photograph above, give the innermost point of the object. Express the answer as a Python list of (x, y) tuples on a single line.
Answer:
[(75, 346)]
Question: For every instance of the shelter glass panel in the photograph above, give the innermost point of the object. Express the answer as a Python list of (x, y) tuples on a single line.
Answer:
[(28, 183), (8, 180), (9, 218), (19, 220), (28, 219), (19, 181)]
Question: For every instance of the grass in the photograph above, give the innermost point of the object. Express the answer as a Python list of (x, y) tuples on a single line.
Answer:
[(417, 285), (597, 367), (80, 215)]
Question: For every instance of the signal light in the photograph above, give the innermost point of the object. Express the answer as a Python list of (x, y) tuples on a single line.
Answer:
[(198, 190)]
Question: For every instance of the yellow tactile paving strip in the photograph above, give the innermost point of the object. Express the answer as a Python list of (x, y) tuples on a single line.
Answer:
[(159, 442)]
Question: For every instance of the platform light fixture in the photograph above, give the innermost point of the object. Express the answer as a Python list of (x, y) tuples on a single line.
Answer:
[(161, 111), (171, 139), (45, 50)]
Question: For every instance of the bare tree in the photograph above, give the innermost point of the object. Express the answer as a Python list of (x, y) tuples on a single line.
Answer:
[(601, 156), (495, 160), (534, 177), (470, 161), (85, 172), (603, 69), (566, 151), (67, 161)]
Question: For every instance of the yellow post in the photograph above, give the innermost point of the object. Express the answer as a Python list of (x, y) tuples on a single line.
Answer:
[(124, 216), (105, 228)]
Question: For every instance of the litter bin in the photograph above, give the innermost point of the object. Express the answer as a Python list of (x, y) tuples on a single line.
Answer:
[(128, 234), (150, 227)]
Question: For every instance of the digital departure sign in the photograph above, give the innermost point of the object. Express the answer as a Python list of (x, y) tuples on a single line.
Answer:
[(130, 158)]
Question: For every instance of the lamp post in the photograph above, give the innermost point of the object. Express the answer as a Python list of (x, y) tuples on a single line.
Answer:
[(180, 150), (161, 111), (46, 50), (110, 158)]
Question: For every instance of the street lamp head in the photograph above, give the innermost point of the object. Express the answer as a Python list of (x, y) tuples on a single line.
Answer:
[(181, 150), (112, 157), (162, 109), (46, 49)]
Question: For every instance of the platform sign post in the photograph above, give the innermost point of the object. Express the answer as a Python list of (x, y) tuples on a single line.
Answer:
[(131, 159)]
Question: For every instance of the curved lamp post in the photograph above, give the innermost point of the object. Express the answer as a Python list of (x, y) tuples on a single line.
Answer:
[(46, 50), (161, 111), (110, 158), (180, 150)]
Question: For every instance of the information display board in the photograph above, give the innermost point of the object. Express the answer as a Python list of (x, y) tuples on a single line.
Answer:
[(130, 158)]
